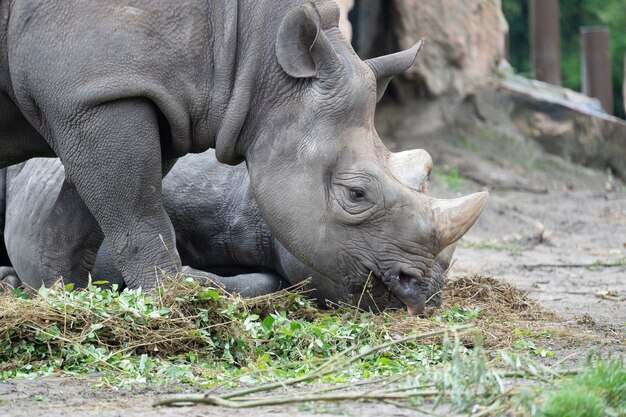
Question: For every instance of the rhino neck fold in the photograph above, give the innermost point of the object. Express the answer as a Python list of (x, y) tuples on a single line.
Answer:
[(233, 85), (249, 84), (237, 82)]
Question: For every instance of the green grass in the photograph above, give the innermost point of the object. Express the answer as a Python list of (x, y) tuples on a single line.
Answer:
[(449, 176), (598, 390), (197, 335), (188, 334)]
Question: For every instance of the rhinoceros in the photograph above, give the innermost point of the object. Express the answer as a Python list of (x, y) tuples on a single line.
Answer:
[(219, 229), (119, 90)]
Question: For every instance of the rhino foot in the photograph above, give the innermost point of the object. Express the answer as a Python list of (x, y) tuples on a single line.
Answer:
[(8, 278)]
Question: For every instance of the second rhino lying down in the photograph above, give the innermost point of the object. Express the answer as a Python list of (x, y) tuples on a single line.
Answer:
[(218, 228)]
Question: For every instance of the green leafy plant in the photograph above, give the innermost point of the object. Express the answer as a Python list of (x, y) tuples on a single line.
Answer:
[(523, 341), (186, 333), (598, 390), (456, 315), (449, 176)]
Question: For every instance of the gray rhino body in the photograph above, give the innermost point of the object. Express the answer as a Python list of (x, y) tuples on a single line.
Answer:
[(120, 89), (219, 229)]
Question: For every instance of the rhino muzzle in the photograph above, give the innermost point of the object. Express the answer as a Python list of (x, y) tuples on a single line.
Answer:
[(412, 288), (409, 288), (452, 219)]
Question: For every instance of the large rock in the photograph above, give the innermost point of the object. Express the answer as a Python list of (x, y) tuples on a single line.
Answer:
[(503, 118), (464, 43), (461, 81), (562, 121)]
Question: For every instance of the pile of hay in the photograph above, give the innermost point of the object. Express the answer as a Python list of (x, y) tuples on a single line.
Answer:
[(184, 317), (504, 309), (180, 317), (494, 297), (500, 308)]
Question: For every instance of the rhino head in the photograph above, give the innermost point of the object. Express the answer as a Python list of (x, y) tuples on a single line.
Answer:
[(325, 183)]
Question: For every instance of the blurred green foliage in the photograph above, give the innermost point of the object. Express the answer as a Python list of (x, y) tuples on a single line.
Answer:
[(573, 15)]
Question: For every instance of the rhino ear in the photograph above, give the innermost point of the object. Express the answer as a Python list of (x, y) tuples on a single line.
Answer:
[(387, 66), (302, 48)]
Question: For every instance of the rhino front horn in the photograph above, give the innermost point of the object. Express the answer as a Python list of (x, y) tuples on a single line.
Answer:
[(454, 217)]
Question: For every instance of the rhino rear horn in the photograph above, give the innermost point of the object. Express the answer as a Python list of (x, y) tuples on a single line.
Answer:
[(302, 48), (412, 168), (454, 217), (387, 66)]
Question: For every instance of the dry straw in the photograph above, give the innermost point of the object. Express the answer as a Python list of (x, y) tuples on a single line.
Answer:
[(123, 331), (502, 309)]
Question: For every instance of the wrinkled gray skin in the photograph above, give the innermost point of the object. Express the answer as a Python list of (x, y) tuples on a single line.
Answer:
[(218, 229), (119, 90)]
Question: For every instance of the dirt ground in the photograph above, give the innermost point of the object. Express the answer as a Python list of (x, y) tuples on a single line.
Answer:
[(558, 232), (551, 227), (554, 245)]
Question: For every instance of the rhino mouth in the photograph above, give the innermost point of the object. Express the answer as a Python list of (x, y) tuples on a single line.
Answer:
[(409, 287)]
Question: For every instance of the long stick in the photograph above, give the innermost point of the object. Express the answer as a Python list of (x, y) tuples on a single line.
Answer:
[(589, 265), (328, 367), (361, 395)]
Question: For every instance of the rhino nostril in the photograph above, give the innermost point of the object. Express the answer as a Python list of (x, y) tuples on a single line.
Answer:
[(405, 279)]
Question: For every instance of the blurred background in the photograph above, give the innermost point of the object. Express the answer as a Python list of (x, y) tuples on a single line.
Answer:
[(547, 70), (574, 14), (523, 98)]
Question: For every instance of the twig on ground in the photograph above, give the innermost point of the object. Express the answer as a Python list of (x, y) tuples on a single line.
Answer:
[(582, 265), (333, 365), (360, 395)]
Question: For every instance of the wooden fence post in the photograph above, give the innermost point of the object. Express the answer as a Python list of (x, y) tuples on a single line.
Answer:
[(596, 65), (545, 40)]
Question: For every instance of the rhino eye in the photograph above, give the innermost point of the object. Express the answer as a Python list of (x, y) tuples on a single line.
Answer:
[(357, 194)]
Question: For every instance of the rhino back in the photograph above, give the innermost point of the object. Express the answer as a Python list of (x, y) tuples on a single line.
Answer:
[(185, 57), (214, 214), (66, 56)]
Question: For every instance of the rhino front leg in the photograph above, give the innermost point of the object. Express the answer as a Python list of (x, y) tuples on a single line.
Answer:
[(244, 283), (112, 154), (251, 284), (8, 278)]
